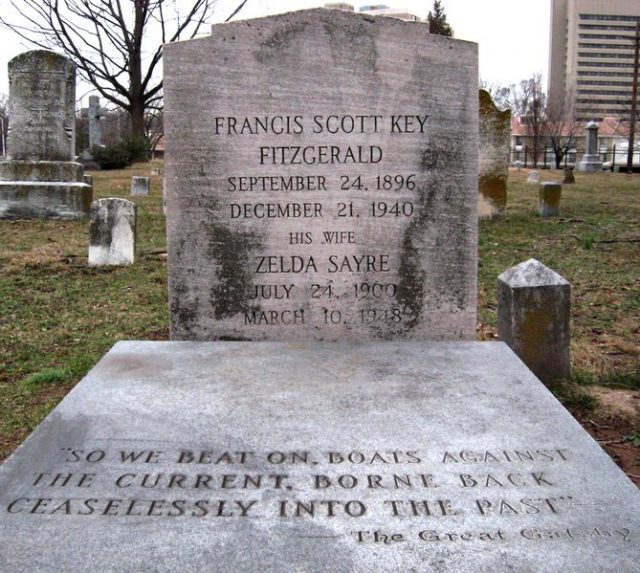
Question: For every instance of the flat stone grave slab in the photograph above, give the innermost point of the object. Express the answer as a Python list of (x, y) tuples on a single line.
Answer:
[(346, 457)]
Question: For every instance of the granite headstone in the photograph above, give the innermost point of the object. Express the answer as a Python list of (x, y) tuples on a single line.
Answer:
[(140, 186), (112, 232), (321, 176), (270, 457), (495, 139), (39, 178)]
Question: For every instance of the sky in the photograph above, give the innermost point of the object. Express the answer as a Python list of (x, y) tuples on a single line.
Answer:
[(513, 37)]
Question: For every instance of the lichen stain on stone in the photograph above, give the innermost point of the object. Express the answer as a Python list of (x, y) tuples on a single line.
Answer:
[(495, 134), (352, 43), (534, 333), (411, 283), (183, 309), (183, 312), (100, 228), (493, 186), (280, 41), (228, 296)]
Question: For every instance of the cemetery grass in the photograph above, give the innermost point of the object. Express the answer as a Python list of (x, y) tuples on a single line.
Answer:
[(58, 316), (595, 245)]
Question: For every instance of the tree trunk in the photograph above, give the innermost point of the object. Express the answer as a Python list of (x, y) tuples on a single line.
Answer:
[(136, 112)]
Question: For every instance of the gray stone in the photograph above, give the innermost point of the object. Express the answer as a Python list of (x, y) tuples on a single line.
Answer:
[(495, 139), (533, 177), (569, 177), (550, 194), (591, 160), (95, 112), (375, 134), (42, 103), (88, 179), (139, 186), (112, 232), (534, 311), (38, 179), (314, 457)]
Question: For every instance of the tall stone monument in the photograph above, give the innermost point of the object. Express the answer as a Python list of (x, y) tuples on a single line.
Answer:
[(329, 202), (495, 135), (39, 178), (591, 160)]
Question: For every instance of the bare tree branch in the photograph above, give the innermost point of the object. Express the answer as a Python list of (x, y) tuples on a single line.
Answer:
[(116, 44)]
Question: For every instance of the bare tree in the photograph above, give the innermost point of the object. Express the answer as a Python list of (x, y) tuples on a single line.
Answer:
[(562, 127), (529, 102), (116, 44)]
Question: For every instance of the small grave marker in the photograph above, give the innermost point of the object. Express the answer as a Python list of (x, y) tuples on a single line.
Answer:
[(550, 194), (140, 186), (112, 232), (534, 310)]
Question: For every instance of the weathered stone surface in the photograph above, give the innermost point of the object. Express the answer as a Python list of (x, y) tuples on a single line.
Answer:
[(550, 194), (534, 311), (274, 457), (495, 140), (44, 200), (41, 107), (94, 113), (88, 179), (140, 186), (39, 180), (112, 232), (533, 177), (373, 132), (52, 171)]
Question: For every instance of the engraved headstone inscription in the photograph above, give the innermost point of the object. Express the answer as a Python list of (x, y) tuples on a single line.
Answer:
[(321, 183), (39, 178), (270, 457), (321, 180)]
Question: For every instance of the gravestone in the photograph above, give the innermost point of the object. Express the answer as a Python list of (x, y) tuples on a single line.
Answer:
[(316, 201), (303, 455), (268, 457), (139, 186), (549, 195), (95, 112), (533, 177), (112, 232), (39, 178), (534, 313), (591, 160), (495, 141), (569, 176)]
